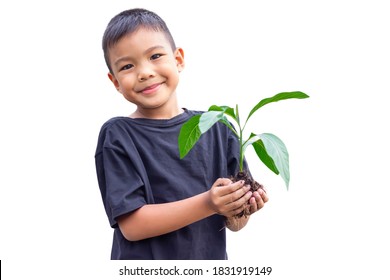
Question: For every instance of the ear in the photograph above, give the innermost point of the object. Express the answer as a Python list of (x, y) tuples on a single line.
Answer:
[(179, 56), (114, 81)]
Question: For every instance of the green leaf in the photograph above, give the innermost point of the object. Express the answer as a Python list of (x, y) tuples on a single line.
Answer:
[(258, 145), (226, 109), (208, 119), (191, 130), (277, 97), (278, 152), (274, 154), (226, 122), (189, 135)]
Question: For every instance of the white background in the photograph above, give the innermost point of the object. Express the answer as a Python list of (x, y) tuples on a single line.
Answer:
[(55, 95)]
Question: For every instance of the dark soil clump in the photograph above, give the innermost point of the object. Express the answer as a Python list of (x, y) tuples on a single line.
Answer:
[(242, 175)]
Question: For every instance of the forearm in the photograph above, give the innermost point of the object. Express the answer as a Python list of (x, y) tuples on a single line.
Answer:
[(235, 224), (157, 219)]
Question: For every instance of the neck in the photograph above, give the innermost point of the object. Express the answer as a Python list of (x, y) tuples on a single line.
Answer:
[(156, 113), (167, 110)]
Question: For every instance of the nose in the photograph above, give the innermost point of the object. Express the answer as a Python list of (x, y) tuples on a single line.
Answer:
[(145, 72)]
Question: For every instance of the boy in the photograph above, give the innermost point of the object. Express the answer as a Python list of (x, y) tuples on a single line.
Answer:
[(162, 207)]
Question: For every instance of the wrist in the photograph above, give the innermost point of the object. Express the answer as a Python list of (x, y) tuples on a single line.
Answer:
[(209, 205), (235, 223)]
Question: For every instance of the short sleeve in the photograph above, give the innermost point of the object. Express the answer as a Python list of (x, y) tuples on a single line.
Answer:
[(121, 186)]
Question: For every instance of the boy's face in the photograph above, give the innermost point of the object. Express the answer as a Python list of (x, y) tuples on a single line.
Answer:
[(146, 70)]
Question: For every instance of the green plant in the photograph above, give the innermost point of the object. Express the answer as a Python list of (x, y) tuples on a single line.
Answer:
[(269, 148)]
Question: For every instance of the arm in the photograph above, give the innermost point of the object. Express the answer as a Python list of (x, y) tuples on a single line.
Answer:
[(256, 202), (235, 223), (152, 220)]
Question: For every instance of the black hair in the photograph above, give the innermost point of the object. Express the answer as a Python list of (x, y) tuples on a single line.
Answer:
[(128, 22)]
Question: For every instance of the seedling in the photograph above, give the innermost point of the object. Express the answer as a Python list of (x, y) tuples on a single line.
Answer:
[(269, 148)]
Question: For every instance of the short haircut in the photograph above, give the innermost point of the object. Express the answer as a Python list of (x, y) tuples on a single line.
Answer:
[(128, 22)]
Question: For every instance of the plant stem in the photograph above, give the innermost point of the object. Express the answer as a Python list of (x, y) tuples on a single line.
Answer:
[(241, 151), (240, 140)]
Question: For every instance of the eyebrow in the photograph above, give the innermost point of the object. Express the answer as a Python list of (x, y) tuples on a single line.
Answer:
[(124, 58)]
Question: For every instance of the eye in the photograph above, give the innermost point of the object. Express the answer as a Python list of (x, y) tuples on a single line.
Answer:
[(127, 67), (156, 56)]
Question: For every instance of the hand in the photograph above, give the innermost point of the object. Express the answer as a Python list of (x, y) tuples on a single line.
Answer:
[(228, 198), (257, 201)]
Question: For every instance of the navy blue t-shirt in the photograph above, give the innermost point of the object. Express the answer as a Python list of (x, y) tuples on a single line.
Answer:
[(137, 163)]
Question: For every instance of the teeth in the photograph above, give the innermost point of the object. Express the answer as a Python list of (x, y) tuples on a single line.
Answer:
[(151, 87)]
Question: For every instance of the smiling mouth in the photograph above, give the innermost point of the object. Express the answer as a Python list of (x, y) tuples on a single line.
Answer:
[(150, 89)]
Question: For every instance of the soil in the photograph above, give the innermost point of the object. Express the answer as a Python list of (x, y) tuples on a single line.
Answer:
[(243, 175)]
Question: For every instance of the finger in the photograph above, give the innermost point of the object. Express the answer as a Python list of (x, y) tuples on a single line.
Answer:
[(222, 182), (253, 205), (264, 196), (230, 189), (236, 186), (243, 200), (240, 192), (237, 211), (260, 202)]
